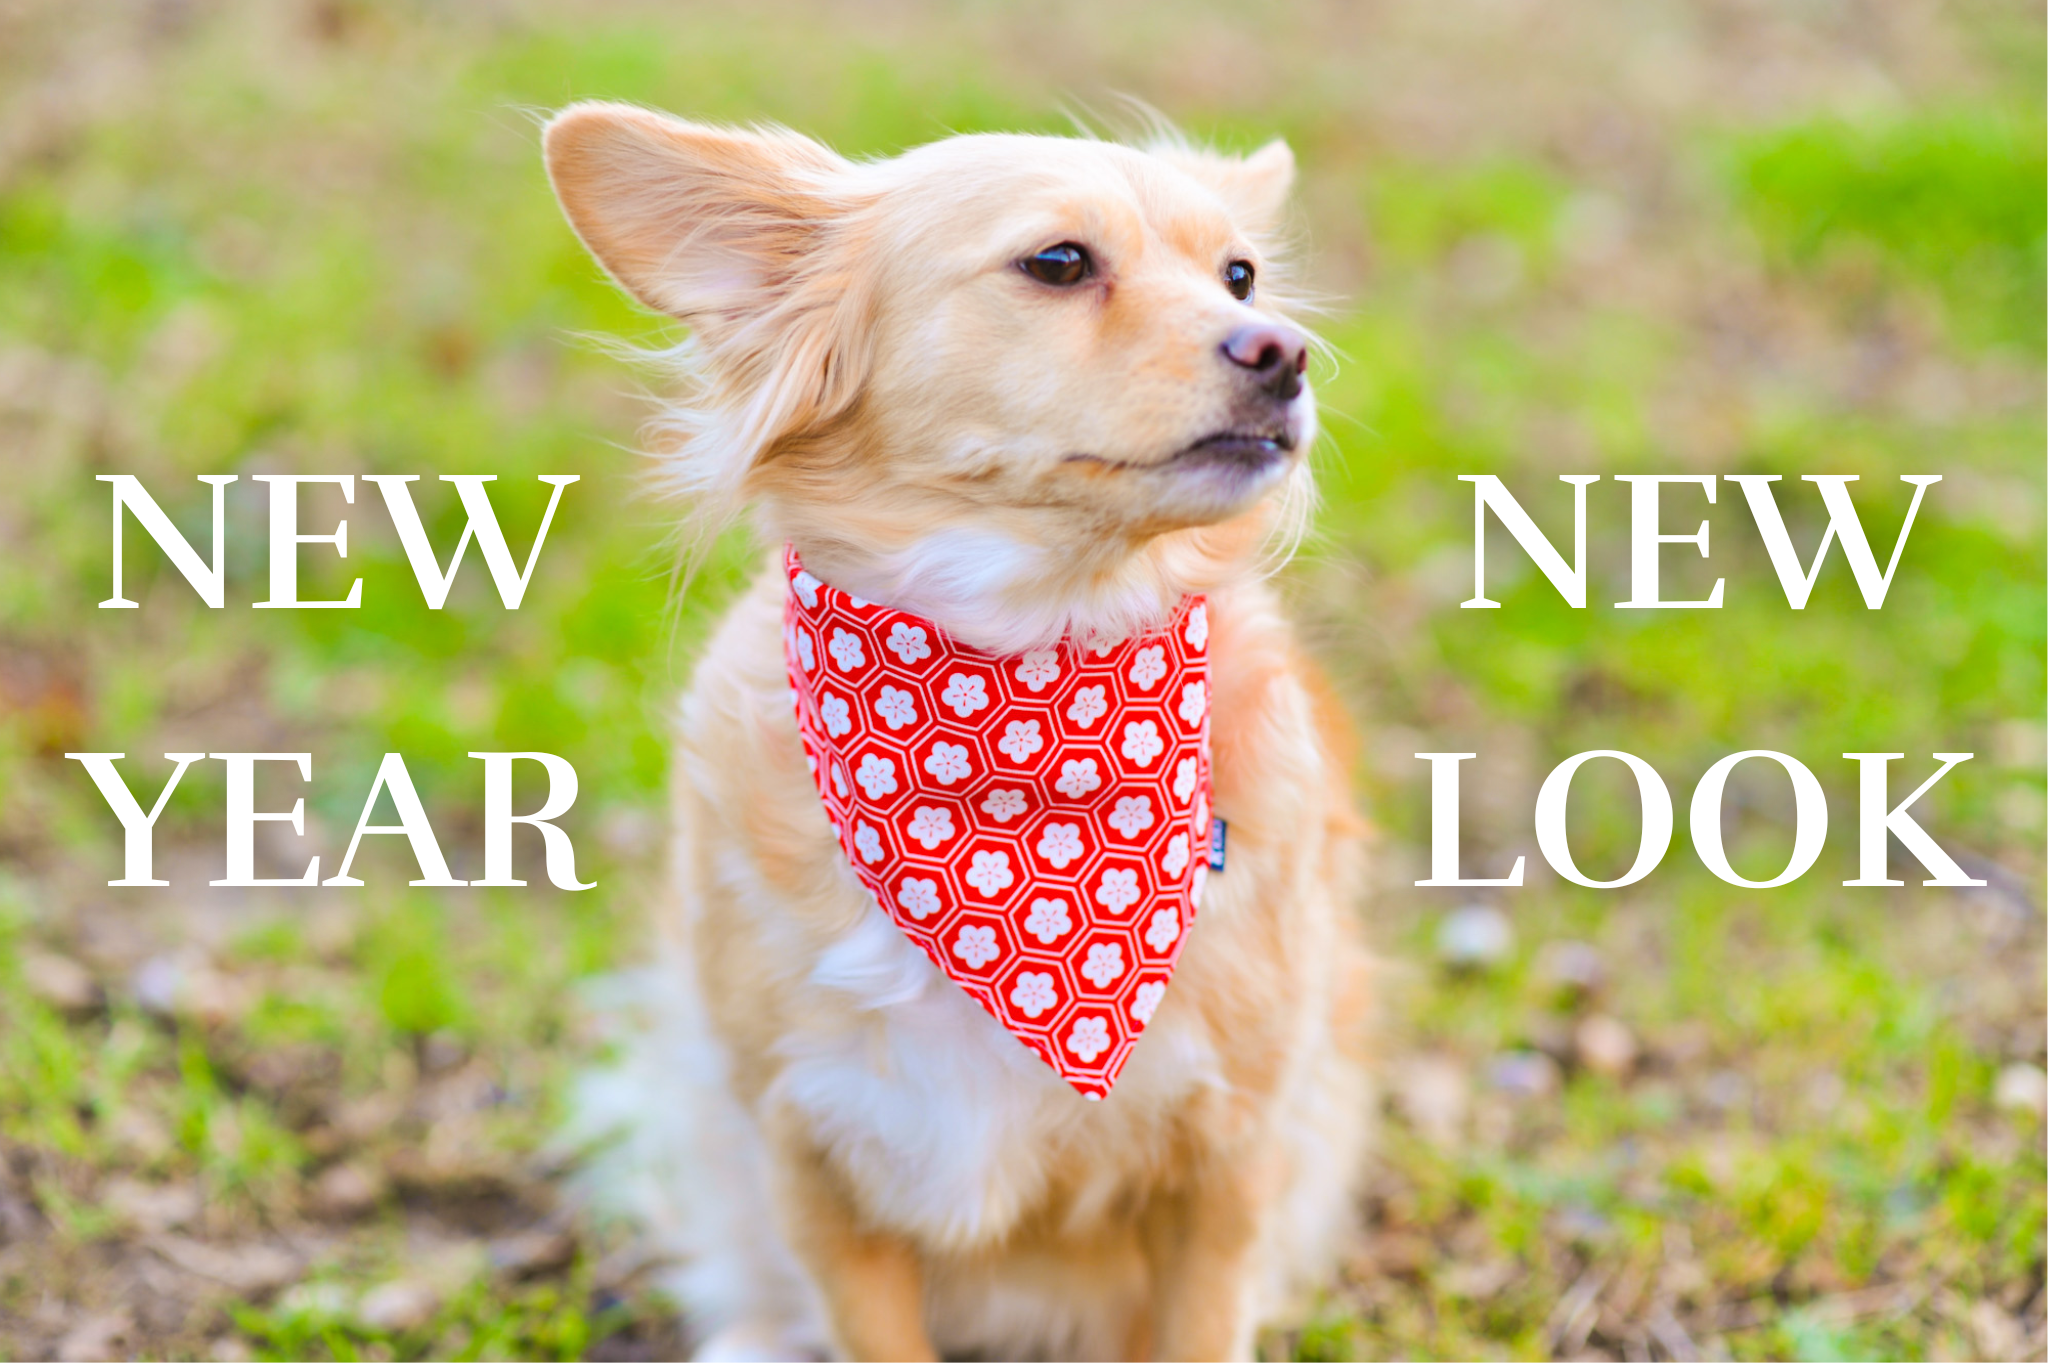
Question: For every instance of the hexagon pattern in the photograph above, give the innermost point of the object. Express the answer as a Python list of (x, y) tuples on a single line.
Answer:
[(1037, 824)]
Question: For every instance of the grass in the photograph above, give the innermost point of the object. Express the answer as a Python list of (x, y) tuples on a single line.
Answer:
[(316, 239)]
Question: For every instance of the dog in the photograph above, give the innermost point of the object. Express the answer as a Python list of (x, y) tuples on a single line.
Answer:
[(1036, 394)]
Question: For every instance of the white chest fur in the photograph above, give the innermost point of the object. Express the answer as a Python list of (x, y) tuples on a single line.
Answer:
[(950, 1127)]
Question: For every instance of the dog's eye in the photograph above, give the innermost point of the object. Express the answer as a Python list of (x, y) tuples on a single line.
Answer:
[(1066, 263), (1237, 277)]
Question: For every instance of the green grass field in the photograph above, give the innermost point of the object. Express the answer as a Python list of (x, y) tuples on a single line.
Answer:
[(1675, 1120)]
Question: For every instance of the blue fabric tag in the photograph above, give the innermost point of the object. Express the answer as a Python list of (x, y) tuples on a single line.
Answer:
[(1218, 832)]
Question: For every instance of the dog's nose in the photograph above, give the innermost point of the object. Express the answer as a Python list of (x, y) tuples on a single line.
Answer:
[(1275, 355)]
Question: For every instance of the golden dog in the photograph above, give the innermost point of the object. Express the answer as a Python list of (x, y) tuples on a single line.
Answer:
[(1027, 388)]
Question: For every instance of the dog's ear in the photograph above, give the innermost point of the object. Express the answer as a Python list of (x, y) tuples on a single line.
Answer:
[(705, 224), (1254, 188), (732, 232)]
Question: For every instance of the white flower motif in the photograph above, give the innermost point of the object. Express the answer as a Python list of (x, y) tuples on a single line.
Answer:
[(1089, 1038), (839, 779), (919, 897), (838, 718), (1148, 667), (1048, 921), (1088, 706), (1194, 699), (1118, 890), (1201, 883), (896, 707), (976, 946), (807, 650), (1142, 742), (1033, 994), (1077, 778), (1146, 1001), (868, 843), (1060, 845), (965, 694), (1184, 779), (1039, 668), (990, 873), (1021, 740), (846, 651), (1133, 815), (1176, 859), (931, 825), (807, 588), (1198, 628), (859, 603), (1202, 814), (1105, 962), (1165, 927), (908, 642), (1003, 805), (948, 762), (877, 776)]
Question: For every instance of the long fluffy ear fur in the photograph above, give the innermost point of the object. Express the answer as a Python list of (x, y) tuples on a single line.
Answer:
[(731, 232)]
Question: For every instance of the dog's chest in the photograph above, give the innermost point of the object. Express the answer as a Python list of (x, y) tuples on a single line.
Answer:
[(944, 1124)]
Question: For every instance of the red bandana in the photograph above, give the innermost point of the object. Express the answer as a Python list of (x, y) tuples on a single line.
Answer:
[(1037, 824)]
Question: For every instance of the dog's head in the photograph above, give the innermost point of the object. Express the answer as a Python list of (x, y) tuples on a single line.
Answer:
[(1018, 384)]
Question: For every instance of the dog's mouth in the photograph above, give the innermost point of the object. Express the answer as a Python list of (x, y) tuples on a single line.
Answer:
[(1239, 449), (1250, 451)]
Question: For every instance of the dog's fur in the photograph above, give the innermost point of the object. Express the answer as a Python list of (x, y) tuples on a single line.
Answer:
[(844, 1151)]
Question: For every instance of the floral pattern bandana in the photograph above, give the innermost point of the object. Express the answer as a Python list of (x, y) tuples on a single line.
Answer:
[(1037, 824)]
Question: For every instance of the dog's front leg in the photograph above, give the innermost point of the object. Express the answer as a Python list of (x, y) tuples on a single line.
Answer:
[(872, 1281), (1201, 1243)]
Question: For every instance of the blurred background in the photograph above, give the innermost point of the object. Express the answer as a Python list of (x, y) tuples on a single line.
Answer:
[(1669, 1121)]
